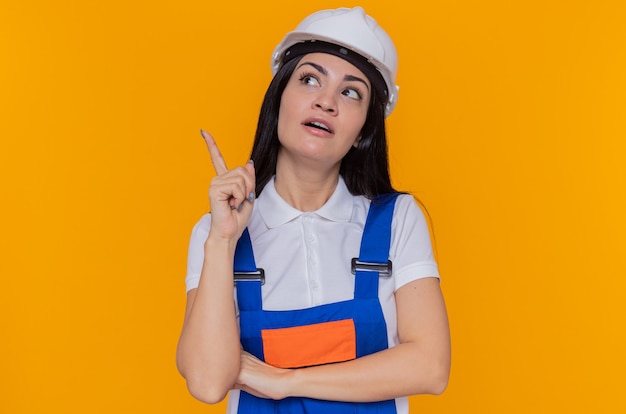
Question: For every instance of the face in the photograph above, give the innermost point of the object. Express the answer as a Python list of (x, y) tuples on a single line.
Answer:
[(323, 109)]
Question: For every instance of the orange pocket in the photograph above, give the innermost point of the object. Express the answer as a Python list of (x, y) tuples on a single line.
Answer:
[(316, 344)]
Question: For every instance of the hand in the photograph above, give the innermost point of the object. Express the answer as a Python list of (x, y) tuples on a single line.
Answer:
[(231, 194), (262, 380)]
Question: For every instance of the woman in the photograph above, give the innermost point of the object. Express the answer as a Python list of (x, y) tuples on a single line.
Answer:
[(337, 299)]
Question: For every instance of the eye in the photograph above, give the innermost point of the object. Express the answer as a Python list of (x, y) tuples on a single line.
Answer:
[(352, 93), (309, 79)]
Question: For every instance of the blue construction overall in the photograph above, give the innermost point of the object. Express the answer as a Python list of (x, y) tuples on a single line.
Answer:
[(330, 333)]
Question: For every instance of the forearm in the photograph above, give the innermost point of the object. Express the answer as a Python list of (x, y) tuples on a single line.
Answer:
[(404, 370), (420, 364), (208, 351)]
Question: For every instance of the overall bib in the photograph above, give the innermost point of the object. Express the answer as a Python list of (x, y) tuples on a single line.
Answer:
[(323, 334)]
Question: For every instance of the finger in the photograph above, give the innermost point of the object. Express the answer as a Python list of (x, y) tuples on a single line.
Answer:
[(251, 183), (236, 188), (249, 167), (216, 156), (242, 186)]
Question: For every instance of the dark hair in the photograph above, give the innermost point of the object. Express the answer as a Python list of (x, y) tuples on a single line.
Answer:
[(365, 168)]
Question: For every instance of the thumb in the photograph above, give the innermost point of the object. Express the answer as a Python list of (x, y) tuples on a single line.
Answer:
[(249, 167)]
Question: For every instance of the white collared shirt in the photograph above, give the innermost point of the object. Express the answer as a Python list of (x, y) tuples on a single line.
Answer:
[(307, 255)]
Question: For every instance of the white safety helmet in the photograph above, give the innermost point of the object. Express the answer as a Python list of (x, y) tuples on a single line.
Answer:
[(354, 30)]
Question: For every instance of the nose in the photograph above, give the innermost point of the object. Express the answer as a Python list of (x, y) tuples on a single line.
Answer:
[(326, 102)]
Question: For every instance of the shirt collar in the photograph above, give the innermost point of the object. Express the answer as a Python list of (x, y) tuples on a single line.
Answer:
[(276, 211)]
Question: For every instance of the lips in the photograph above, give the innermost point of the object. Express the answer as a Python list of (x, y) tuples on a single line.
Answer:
[(318, 124)]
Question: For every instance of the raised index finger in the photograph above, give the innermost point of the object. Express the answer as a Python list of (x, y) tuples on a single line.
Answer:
[(216, 156)]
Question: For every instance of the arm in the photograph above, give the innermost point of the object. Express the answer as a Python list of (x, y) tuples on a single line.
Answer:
[(208, 353), (420, 364)]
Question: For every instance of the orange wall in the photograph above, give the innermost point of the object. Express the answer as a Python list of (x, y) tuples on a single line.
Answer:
[(510, 128)]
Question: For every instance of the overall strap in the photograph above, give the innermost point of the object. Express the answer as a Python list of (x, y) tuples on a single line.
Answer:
[(375, 243), (248, 278)]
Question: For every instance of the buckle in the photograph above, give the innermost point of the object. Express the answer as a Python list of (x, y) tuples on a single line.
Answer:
[(258, 276), (383, 269)]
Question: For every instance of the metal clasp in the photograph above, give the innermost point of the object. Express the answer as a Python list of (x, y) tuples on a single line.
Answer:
[(383, 269), (258, 276)]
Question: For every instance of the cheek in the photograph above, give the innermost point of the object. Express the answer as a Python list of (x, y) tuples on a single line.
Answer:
[(286, 112), (358, 128), (283, 115)]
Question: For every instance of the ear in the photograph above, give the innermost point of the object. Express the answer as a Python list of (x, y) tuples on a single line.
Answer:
[(355, 144)]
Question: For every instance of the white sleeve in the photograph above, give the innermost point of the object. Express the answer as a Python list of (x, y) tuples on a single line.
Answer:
[(411, 251), (195, 256)]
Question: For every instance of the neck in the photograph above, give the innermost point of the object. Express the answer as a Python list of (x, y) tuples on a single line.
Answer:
[(306, 189)]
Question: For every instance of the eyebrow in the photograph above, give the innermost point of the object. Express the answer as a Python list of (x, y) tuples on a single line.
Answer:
[(324, 72)]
